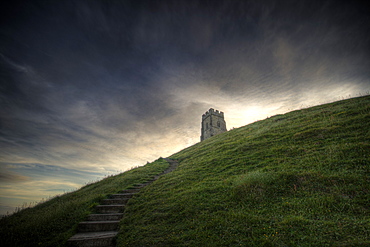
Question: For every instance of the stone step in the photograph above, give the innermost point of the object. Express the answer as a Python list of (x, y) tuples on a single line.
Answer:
[(144, 184), (139, 186), (115, 201), (109, 209), (89, 239), (122, 195), (98, 226), (104, 217), (130, 191)]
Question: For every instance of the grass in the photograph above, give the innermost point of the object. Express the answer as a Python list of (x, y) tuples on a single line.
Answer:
[(298, 179), (53, 222)]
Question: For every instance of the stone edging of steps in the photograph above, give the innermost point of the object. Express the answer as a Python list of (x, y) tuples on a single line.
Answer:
[(101, 228)]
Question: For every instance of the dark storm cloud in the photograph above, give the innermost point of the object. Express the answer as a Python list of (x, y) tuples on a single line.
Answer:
[(294, 43), (94, 54)]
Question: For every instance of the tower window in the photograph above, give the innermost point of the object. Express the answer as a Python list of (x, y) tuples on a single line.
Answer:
[(218, 124), (206, 125)]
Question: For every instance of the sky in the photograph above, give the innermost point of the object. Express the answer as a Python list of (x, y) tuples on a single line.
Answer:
[(93, 88)]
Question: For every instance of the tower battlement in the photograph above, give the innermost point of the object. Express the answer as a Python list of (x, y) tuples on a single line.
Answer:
[(214, 112), (213, 123)]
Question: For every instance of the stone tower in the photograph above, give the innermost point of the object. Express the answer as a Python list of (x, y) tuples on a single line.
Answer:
[(213, 123)]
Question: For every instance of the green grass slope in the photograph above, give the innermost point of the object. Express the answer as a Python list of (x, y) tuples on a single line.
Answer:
[(298, 179), (52, 223)]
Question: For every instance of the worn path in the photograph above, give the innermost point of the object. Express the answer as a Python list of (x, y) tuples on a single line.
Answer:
[(101, 229)]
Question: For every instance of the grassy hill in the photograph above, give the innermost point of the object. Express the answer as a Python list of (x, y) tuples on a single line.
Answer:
[(298, 179)]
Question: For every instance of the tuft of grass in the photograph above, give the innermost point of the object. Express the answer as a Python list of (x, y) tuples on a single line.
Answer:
[(53, 222), (298, 179)]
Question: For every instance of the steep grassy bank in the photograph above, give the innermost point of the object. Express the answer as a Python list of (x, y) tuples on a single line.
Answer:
[(53, 222), (298, 179)]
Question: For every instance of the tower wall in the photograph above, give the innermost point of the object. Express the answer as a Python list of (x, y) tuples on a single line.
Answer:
[(213, 123)]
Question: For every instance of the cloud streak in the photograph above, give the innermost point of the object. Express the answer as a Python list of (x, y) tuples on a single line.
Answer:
[(12, 177)]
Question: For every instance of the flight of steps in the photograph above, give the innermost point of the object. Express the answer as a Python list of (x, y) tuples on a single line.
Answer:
[(101, 228)]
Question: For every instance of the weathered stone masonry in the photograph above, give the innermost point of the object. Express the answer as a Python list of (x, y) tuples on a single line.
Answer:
[(213, 123)]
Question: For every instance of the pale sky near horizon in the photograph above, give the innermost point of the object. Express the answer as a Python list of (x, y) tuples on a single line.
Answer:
[(93, 88)]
